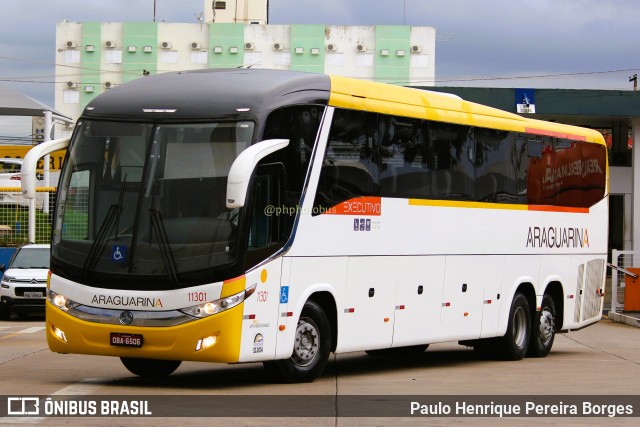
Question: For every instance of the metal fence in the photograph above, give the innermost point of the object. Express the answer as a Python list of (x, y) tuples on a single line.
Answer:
[(14, 216), (621, 260)]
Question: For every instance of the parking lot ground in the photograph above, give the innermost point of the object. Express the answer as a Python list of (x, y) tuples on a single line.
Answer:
[(599, 361)]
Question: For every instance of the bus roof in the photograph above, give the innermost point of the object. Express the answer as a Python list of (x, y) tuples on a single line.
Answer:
[(204, 94), (421, 104), (241, 93)]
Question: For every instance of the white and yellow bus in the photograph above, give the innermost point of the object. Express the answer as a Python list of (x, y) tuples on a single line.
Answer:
[(275, 216)]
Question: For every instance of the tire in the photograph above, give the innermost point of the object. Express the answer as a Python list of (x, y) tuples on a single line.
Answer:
[(543, 329), (398, 351), (150, 368), (5, 312), (515, 343), (311, 348)]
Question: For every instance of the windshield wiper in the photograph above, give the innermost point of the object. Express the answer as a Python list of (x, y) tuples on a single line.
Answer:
[(165, 248), (120, 197), (97, 246)]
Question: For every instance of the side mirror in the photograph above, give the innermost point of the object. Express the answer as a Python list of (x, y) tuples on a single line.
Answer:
[(243, 166)]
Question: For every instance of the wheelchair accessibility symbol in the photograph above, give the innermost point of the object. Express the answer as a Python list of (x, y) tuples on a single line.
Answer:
[(284, 294), (118, 254)]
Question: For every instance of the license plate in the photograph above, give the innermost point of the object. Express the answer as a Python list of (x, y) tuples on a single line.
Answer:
[(33, 294), (126, 340)]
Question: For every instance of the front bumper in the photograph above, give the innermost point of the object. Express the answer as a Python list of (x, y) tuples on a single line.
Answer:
[(166, 343)]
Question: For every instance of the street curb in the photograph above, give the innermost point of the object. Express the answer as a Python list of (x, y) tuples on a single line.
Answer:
[(621, 318)]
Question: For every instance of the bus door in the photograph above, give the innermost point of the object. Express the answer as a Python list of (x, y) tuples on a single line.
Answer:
[(265, 237)]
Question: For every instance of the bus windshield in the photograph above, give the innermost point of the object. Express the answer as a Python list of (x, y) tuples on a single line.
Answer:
[(148, 201)]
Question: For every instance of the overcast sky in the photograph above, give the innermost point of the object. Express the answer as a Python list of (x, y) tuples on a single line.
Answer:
[(587, 44)]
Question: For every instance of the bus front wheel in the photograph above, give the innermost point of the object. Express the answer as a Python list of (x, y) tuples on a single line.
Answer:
[(150, 368), (514, 344), (312, 345)]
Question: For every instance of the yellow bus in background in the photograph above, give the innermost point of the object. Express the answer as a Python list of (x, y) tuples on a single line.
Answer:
[(19, 151)]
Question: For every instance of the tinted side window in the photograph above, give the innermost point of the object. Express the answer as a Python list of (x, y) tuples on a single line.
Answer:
[(501, 166), (351, 167), (452, 161), (540, 189), (520, 162), (299, 124), (566, 173), (567, 169), (594, 173), (405, 160), (279, 180), (376, 154)]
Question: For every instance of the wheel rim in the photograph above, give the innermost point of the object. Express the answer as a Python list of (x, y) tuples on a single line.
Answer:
[(307, 345), (519, 328), (547, 325)]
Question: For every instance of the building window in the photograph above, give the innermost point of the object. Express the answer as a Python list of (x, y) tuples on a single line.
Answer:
[(219, 5), (364, 59), (113, 56), (71, 56), (169, 57), (199, 58), (419, 61), (71, 96)]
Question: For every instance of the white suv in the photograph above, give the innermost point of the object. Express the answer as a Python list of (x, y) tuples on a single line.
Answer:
[(24, 284)]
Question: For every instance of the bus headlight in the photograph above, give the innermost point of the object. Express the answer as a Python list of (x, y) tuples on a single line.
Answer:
[(217, 306), (60, 301)]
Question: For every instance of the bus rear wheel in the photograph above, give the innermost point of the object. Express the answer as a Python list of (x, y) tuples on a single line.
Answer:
[(150, 368), (543, 329), (310, 350)]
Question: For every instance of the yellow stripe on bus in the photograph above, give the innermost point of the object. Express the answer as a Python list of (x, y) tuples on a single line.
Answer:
[(501, 206), (468, 205)]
